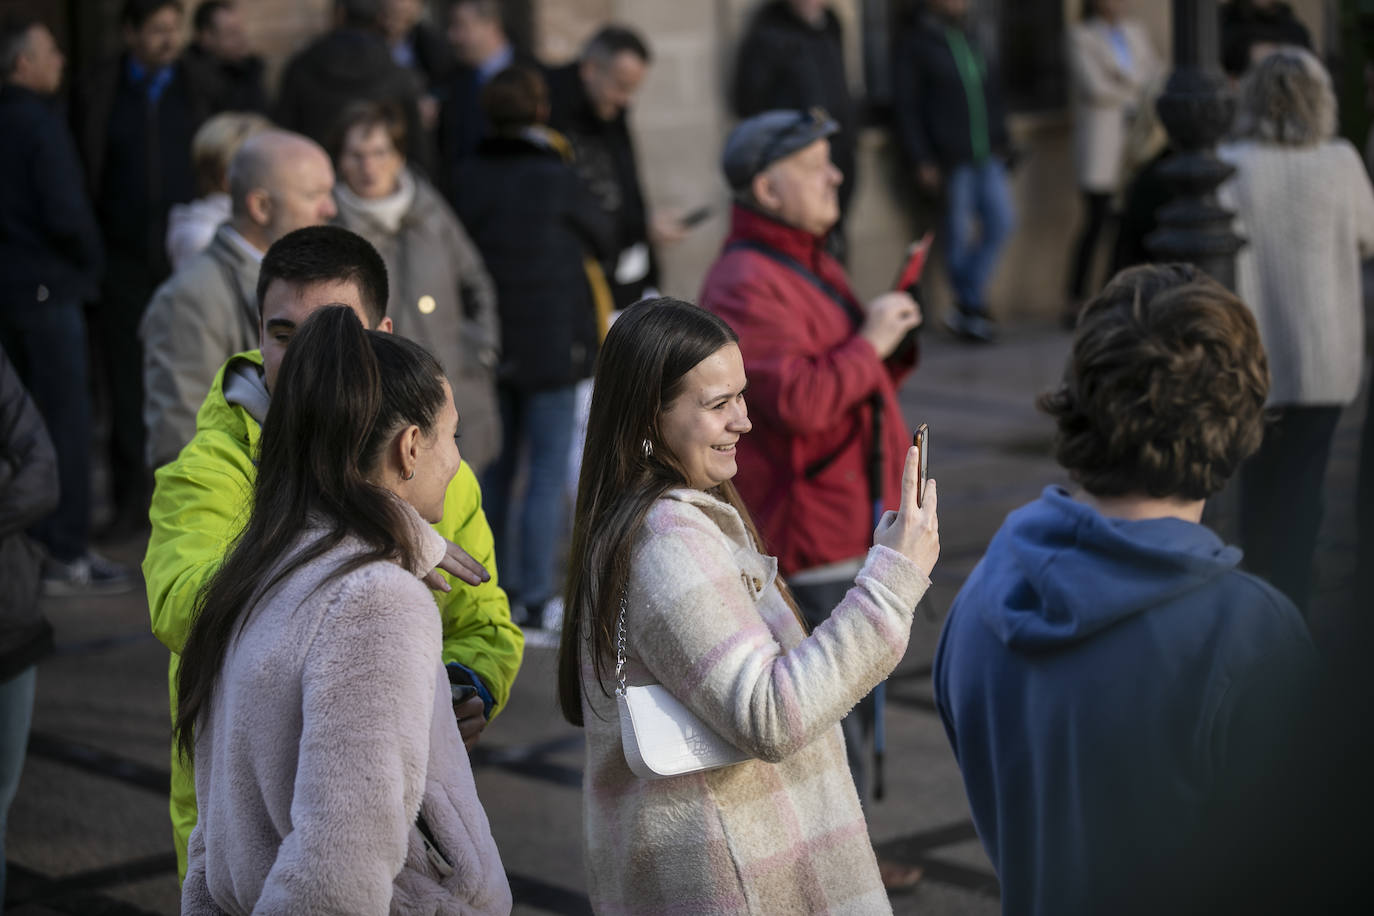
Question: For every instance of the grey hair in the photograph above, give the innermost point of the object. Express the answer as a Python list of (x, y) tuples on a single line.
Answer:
[(14, 41), (1287, 99)]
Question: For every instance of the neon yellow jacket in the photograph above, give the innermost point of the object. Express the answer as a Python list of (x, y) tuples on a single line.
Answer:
[(201, 502)]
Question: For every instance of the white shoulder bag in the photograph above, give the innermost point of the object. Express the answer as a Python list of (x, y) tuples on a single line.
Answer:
[(660, 736)]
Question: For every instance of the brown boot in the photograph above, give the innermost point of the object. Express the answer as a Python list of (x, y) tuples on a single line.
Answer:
[(899, 876)]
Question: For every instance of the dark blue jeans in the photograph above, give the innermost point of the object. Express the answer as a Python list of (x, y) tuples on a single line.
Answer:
[(979, 219), (538, 424), (47, 344)]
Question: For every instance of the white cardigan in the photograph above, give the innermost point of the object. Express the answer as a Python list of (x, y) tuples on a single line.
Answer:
[(1307, 214), (330, 730), (1102, 95)]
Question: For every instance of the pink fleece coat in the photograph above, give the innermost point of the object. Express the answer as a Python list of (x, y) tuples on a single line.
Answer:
[(782, 833), (330, 731)]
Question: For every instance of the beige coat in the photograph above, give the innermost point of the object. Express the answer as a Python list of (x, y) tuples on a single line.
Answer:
[(203, 314), (781, 833), (443, 299), (1104, 98), (331, 729)]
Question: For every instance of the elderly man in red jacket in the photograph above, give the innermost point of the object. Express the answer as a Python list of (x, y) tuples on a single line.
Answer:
[(823, 368)]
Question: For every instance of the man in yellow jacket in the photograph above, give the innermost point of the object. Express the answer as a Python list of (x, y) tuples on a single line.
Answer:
[(202, 498)]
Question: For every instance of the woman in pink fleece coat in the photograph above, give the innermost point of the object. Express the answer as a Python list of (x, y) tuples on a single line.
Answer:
[(659, 522), (330, 775)]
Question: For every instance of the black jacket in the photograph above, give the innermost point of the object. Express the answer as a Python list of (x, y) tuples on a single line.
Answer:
[(228, 85), (341, 67), (49, 242), (1244, 25), (28, 491), (535, 222), (605, 158), (931, 109), (784, 62)]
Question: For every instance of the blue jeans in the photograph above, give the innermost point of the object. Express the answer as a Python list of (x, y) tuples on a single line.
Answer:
[(16, 713), (540, 424), (47, 345), (976, 192)]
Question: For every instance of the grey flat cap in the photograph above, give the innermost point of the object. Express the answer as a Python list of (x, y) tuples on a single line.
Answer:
[(762, 140)]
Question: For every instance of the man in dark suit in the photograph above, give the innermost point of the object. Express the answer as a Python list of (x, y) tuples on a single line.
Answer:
[(230, 72), (134, 116), (478, 37), (50, 263)]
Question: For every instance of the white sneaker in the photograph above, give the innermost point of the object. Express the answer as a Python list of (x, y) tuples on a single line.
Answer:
[(88, 574)]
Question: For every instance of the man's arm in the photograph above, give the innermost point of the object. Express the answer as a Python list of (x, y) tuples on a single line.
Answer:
[(200, 504), (478, 633), (68, 222)]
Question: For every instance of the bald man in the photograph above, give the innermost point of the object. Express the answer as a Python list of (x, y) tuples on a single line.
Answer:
[(208, 311)]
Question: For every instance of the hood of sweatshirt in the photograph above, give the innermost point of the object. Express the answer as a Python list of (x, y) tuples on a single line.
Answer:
[(1077, 572)]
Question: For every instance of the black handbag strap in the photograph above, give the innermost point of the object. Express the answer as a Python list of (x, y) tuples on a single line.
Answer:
[(856, 314)]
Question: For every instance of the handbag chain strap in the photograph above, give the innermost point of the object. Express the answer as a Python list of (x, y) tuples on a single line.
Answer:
[(620, 648)]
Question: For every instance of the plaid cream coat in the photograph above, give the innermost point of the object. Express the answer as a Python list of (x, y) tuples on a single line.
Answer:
[(783, 833)]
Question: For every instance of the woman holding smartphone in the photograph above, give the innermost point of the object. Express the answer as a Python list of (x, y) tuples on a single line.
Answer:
[(330, 775), (661, 532)]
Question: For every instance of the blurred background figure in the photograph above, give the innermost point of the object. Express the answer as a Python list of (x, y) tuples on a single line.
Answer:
[(50, 265), (441, 294), (28, 491), (208, 311), (227, 69), (1250, 29), (1304, 202), (191, 226), (134, 117), (1114, 70), (478, 37), (792, 57), (422, 50), (589, 99), (951, 122), (537, 225), (349, 63)]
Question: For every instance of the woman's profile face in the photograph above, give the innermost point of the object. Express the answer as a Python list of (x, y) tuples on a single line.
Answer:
[(436, 464), (703, 424)]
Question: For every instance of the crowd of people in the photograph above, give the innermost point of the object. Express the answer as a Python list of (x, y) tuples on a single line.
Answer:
[(428, 249)]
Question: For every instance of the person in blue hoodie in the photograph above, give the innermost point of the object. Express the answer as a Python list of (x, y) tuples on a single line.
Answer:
[(1116, 690)]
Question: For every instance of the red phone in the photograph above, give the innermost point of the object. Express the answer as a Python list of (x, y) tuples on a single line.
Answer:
[(915, 263), (921, 439)]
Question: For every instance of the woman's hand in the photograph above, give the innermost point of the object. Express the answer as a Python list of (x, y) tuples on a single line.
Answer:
[(911, 531)]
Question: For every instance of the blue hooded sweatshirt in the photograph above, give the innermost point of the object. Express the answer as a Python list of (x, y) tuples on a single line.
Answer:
[(1107, 685)]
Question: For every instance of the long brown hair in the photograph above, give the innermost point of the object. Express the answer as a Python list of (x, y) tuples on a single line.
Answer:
[(640, 371), (342, 394)]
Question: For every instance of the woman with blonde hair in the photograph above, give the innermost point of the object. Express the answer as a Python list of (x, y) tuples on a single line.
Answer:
[(669, 584), (1113, 67), (191, 226), (1304, 204)]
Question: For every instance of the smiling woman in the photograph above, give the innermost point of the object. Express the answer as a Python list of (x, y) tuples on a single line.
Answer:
[(668, 573)]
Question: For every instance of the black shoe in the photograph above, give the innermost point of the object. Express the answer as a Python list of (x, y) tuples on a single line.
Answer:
[(972, 325), (88, 574)]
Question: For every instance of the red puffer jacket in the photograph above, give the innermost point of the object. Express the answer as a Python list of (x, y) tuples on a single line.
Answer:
[(803, 470)]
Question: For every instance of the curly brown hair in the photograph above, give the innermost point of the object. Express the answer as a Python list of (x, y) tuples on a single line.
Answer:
[(1164, 391)]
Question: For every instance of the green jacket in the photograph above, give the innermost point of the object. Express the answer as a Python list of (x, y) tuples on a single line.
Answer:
[(200, 503)]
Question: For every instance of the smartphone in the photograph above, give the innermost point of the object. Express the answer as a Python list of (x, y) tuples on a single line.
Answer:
[(915, 264), (462, 692), (921, 439), (695, 217)]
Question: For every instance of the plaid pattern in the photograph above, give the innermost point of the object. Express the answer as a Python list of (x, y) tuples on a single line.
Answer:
[(783, 833)]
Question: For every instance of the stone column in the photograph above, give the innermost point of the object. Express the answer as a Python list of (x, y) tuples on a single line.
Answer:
[(1196, 108)]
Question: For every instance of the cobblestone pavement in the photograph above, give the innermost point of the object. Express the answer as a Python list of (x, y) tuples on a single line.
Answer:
[(89, 832)]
